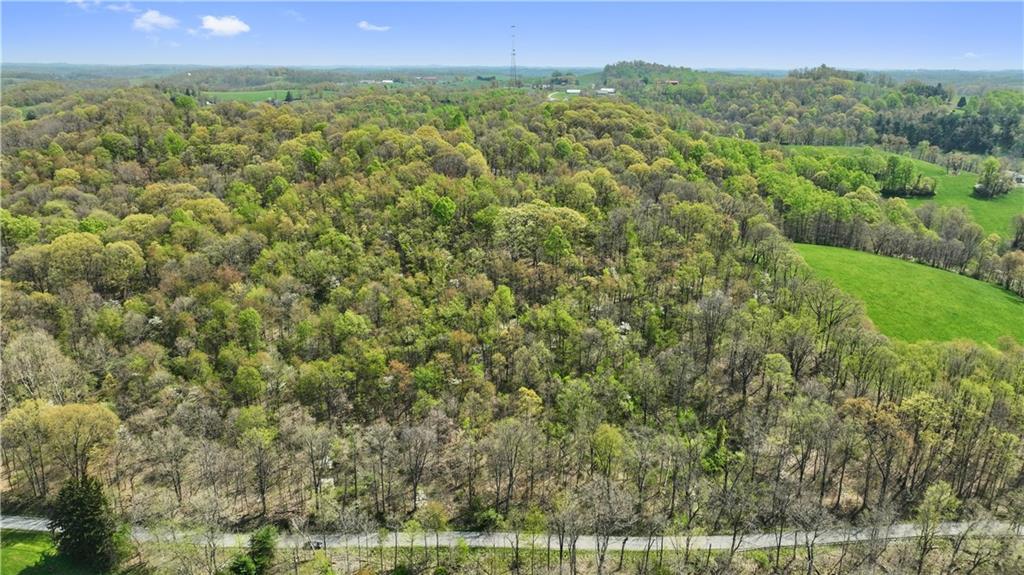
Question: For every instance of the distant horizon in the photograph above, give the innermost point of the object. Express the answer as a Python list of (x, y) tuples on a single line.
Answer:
[(961, 36), (496, 67)]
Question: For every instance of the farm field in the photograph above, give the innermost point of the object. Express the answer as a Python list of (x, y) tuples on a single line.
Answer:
[(914, 302), (994, 216), (24, 553)]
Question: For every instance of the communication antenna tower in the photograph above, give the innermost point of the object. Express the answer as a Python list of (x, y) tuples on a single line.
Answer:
[(515, 71)]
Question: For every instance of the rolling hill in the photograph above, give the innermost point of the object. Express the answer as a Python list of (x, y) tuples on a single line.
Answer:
[(914, 302)]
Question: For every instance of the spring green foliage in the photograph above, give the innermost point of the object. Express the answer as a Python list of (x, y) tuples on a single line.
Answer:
[(826, 106), (481, 309), (913, 302), (992, 182), (953, 188), (994, 215)]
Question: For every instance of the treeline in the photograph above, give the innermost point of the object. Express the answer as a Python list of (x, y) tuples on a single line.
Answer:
[(939, 236), (824, 72), (888, 174), (473, 310), (826, 106), (980, 125)]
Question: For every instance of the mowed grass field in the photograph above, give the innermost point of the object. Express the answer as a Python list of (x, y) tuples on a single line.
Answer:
[(995, 216), (24, 553), (250, 95), (914, 302)]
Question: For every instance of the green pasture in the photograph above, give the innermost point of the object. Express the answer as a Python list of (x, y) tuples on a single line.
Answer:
[(914, 302)]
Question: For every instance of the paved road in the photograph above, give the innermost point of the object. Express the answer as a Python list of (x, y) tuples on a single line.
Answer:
[(585, 543)]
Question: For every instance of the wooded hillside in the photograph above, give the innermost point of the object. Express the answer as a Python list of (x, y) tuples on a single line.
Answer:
[(477, 310)]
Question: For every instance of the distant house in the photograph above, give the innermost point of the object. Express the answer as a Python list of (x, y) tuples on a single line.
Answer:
[(387, 81), (672, 82), (573, 91), (1016, 177), (606, 91)]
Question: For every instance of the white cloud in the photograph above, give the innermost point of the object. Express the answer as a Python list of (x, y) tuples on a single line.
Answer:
[(367, 27), (224, 25), (151, 20), (970, 56), (126, 7), (295, 15)]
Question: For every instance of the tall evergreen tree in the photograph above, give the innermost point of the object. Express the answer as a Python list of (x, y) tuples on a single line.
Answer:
[(84, 525), (261, 549)]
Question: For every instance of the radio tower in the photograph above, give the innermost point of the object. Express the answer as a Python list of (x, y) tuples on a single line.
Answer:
[(515, 72)]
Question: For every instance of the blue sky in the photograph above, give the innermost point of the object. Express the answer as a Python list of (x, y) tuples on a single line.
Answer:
[(701, 35)]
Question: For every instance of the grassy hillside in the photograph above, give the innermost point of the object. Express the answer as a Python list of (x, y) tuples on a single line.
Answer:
[(914, 302), (993, 215), (23, 553)]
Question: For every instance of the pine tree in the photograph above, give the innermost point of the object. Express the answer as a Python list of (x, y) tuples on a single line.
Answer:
[(261, 549), (241, 565), (85, 527)]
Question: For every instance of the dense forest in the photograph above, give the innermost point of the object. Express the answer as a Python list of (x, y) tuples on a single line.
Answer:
[(826, 106), (482, 310)]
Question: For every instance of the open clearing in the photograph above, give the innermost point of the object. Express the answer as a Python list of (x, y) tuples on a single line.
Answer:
[(250, 95), (24, 553), (914, 302), (993, 215)]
